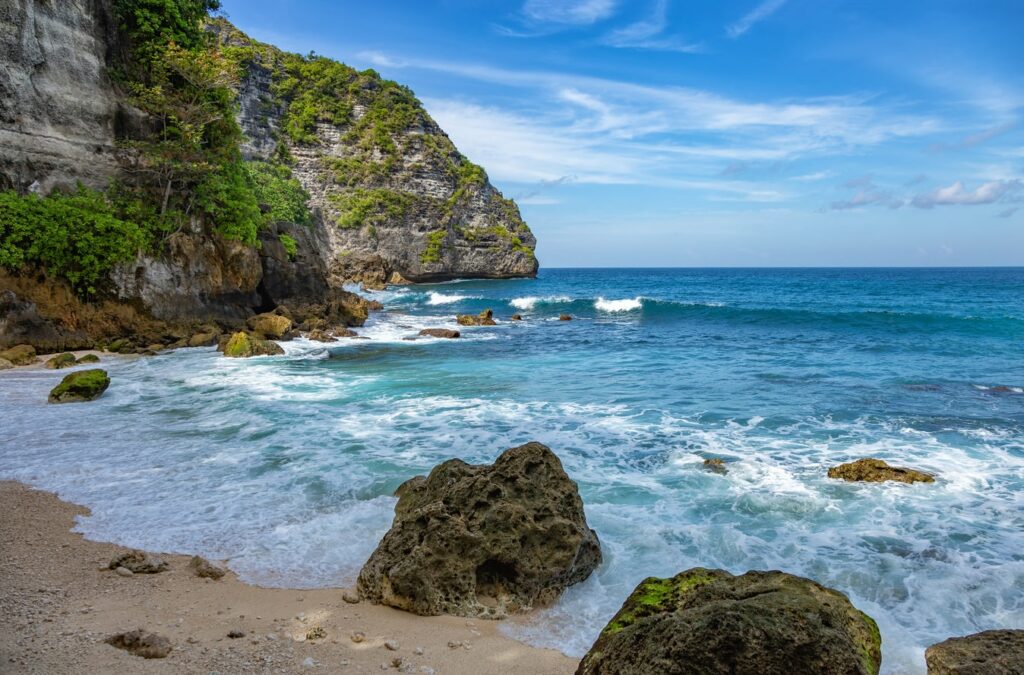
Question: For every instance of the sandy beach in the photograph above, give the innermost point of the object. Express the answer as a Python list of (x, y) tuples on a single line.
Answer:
[(59, 602)]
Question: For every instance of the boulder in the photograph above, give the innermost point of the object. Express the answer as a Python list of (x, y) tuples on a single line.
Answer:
[(343, 332), (5, 364), (992, 652), (59, 361), (139, 562), (20, 355), (321, 336), (243, 345), (270, 325), (120, 346), (203, 568), (140, 643), (84, 385), (483, 540), (204, 339), (517, 317), (876, 471), (565, 317), (484, 318), (709, 622), (88, 358), (716, 465), (440, 333)]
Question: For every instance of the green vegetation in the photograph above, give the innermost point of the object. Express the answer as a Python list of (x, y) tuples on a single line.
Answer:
[(78, 236), (149, 25), (654, 596), (278, 193), (291, 246), (370, 207), (85, 385), (435, 242)]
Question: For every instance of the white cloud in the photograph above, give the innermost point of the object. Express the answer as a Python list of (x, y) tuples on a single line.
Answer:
[(755, 16), (570, 12), (817, 175), (957, 195), (647, 34)]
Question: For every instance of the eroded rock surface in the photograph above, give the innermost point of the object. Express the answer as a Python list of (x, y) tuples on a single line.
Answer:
[(484, 318), (483, 540), (709, 622), (81, 386), (876, 471), (991, 652), (143, 644)]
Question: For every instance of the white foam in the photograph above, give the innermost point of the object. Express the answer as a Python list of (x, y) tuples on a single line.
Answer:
[(625, 305), (443, 299), (531, 301)]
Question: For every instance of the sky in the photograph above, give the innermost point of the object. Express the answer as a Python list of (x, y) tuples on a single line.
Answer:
[(714, 133)]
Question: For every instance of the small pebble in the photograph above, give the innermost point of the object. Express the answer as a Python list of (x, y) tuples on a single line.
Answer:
[(124, 572), (358, 636), (392, 645), (350, 597), (309, 662), (396, 662), (235, 634), (418, 651)]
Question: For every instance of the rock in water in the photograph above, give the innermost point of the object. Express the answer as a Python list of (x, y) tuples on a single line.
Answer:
[(565, 317), (483, 540), (709, 622), (140, 643), (321, 336), (61, 361), (876, 471), (5, 364), (88, 358), (440, 333), (20, 355), (270, 325), (992, 652), (85, 385), (202, 567), (242, 345), (484, 318), (716, 465), (517, 317), (138, 562)]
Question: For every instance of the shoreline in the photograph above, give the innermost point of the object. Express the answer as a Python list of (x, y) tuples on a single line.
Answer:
[(60, 604)]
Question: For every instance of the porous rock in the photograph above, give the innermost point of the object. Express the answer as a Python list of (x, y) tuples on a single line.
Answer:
[(203, 568), (483, 540), (991, 652), (243, 345), (140, 643), (139, 562), (484, 318), (709, 622), (876, 471)]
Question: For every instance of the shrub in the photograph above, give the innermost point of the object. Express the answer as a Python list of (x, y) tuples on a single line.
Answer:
[(291, 246), (369, 207), (281, 195)]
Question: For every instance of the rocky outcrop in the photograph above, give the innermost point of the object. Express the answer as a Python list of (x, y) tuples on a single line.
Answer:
[(440, 333), (877, 471), (484, 318), (992, 652), (709, 622), (65, 360), (242, 345), (84, 385), (269, 325), (20, 355), (483, 540)]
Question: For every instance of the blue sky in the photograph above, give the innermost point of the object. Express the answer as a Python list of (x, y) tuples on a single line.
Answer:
[(689, 133)]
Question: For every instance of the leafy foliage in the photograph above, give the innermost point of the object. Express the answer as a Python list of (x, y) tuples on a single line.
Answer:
[(150, 25), (227, 198), (291, 247), (435, 243), (278, 193), (371, 207), (78, 236)]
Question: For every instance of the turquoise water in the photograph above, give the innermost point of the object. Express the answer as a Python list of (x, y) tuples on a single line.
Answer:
[(285, 465)]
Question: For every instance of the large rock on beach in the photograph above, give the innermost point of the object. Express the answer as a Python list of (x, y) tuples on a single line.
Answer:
[(484, 318), (709, 622), (139, 562), (84, 385), (241, 345), (20, 355), (140, 643), (483, 540), (877, 471), (65, 360), (992, 652)]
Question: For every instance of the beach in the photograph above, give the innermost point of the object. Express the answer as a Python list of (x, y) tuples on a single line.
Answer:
[(59, 602)]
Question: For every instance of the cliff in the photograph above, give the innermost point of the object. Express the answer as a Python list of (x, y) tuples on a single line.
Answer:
[(336, 175)]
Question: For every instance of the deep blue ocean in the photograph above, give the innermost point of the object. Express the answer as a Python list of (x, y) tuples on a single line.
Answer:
[(285, 465)]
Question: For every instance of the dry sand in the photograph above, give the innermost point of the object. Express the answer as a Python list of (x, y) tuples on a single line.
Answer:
[(58, 603)]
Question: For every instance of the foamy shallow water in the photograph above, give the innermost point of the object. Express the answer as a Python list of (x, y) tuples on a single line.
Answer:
[(285, 465)]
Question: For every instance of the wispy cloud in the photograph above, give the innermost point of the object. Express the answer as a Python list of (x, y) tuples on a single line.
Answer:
[(648, 33), (957, 195), (569, 12), (868, 194), (754, 17)]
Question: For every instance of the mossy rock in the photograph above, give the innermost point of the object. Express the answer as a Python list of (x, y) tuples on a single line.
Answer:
[(59, 361), (872, 470), (204, 339), (270, 325), (20, 355), (5, 364), (88, 358), (243, 345), (85, 385), (484, 318), (120, 346), (706, 621)]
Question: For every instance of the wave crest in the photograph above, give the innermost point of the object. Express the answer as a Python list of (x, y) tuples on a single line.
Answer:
[(531, 301), (625, 305)]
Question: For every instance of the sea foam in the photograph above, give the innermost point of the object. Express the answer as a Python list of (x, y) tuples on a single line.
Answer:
[(626, 305)]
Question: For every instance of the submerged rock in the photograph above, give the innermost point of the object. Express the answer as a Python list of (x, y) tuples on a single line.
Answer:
[(270, 325), (140, 643), (876, 471), (565, 317), (59, 361), (992, 652), (85, 385), (483, 540), (242, 345), (705, 622), (484, 318), (440, 333), (321, 336), (716, 465), (517, 317), (203, 568), (139, 562), (20, 355)]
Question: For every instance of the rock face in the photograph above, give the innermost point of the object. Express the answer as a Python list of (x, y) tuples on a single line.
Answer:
[(84, 385), (992, 652), (877, 471), (483, 540), (709, 622)]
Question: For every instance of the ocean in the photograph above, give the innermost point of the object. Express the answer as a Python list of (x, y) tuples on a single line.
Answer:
[(286, 465)]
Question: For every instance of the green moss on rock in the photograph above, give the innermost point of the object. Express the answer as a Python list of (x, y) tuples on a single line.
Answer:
[(88, 358), (85, 385), (59, 361), (243, 345)]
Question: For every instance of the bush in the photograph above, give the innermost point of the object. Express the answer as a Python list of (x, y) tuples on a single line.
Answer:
[(79, 236), (291, 247), (369, 207), (281, 195), (227, 198)]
